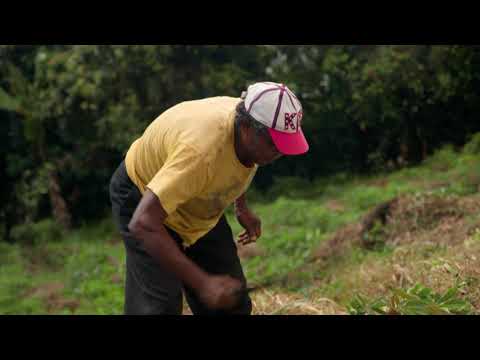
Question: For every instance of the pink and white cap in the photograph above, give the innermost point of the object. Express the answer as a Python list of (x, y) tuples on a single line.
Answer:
[(276, 107)]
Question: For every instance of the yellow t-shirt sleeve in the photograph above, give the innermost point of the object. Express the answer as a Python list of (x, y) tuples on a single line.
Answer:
[(181, 178)]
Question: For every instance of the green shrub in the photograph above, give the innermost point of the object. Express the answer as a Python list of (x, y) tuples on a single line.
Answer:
[(443, 159), (473, 146), (37, 233)]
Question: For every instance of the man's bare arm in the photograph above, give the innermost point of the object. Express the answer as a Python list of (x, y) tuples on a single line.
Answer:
[(147, 226), (241, 203), (249, 221)]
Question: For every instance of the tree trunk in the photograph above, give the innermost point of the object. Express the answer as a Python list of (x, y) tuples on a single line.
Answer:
[(424, 150), (404, 151), (59, 205), (423, 143), (8, 227), (412, 146)]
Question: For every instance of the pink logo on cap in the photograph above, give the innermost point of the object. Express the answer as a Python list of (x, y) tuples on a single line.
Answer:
[(299, 119), (289, 121)]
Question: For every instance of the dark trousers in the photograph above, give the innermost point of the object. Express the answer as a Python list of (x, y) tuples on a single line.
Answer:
[(151, 289)]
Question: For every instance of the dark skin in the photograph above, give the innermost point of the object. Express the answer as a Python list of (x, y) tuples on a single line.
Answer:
[(218, 292), (252, 148)]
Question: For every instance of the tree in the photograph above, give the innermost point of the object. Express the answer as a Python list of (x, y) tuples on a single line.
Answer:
[(80, 107)]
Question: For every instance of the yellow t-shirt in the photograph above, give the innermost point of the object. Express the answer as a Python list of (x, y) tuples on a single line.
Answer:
[(187, 158)]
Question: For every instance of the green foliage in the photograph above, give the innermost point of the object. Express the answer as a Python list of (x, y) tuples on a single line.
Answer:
[(380, 106), (79, 107), (367, 107), (41, 232), (87, 271), (7, 102), (91, 273), (417, 300), (31, 188), (443, 159), (473, 146), (14, 283)]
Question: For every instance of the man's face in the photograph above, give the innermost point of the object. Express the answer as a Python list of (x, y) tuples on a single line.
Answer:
[(262, 148)]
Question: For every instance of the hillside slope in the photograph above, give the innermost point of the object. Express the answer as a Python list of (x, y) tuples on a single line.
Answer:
[(405, 242)]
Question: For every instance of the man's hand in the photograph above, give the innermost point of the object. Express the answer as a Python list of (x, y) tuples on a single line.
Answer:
[(252, 225), (221, 292)]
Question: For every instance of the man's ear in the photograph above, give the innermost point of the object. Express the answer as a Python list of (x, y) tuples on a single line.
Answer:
[(247, 131), (243, 128)]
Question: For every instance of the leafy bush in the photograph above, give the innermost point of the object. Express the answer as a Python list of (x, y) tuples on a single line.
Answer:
[(473, 146), (40, 232), (443, 159)]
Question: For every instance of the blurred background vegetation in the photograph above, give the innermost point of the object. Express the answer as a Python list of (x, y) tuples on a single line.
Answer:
[(68, 114)]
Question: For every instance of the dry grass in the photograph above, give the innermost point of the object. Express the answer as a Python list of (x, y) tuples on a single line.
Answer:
[(421, 219), (434, 241), (431, 219), (434, 266), (437, 267), (278, 302)]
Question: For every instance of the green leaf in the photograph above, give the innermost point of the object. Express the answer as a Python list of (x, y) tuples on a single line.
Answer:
[(8, 102), (450, 294), (403, 294)]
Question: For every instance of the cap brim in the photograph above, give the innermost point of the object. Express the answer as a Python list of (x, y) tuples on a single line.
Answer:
[(289, 144)]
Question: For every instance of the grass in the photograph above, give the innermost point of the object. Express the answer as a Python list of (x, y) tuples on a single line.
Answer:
[(296, 226), (82, 274), (422, 262)]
